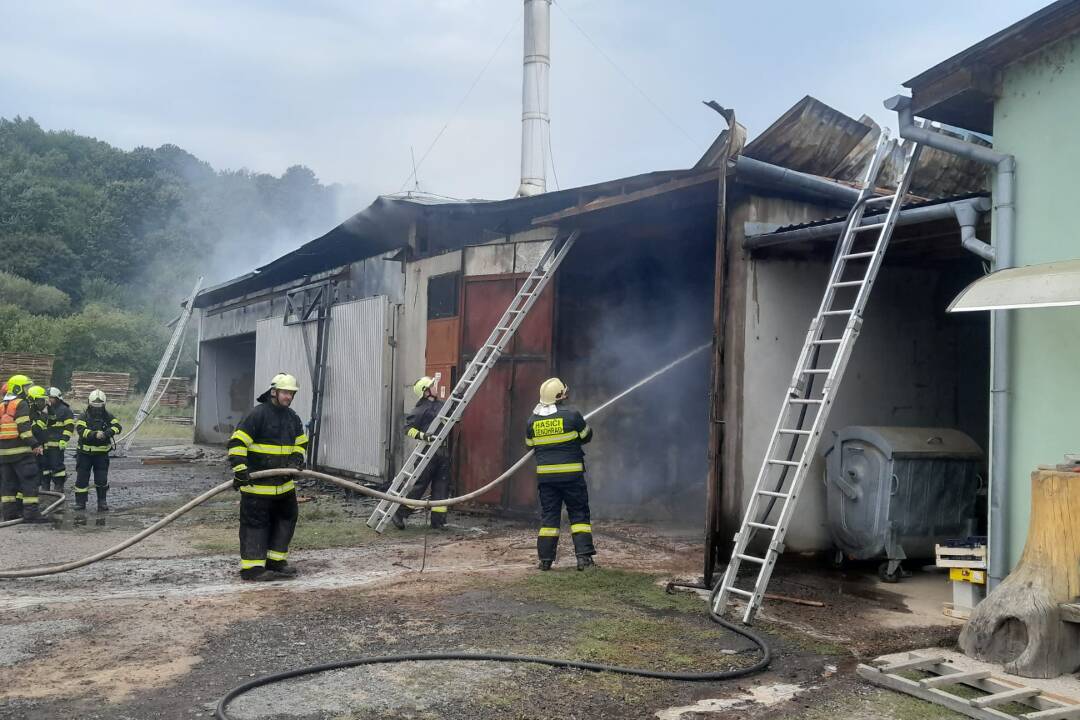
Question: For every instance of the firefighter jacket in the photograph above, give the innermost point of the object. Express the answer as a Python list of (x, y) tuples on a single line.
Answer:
[(269, 437), (93, 421), (39, 418), (60, 425), (16, 429), (557, 438), (420, 418)]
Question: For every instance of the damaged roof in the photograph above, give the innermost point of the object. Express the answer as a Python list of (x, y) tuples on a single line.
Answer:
[(817, 139)]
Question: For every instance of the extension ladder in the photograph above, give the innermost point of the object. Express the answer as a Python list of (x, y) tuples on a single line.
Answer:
[(474, 375), (803, 415)]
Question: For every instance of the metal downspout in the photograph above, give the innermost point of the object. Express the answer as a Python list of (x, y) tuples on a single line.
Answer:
[(967, 215), (1000, 321)]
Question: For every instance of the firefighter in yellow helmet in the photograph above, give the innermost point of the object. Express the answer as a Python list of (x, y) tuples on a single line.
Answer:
[(437, 473), (96, 428), (18, 448), (557, 432), (270, 436), (37, 398)]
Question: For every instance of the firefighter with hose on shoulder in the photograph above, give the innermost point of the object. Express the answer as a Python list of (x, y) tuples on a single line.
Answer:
[(271, 436), (437, 473), (61, 426), (557, 432), (96, 429), (19, 449)]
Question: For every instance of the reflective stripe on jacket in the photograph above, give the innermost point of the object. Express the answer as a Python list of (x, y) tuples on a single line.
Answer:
[(16, 429), (93, 421)]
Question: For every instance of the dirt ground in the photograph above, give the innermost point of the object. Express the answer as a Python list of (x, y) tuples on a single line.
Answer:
[(166, 628)]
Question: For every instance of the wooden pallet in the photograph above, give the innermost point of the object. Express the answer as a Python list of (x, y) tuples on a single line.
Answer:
[(117, 386), (38, 367), (1000, 691)]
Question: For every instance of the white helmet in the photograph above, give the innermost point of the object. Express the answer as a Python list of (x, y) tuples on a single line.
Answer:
[(54, 392), (552, 391), (97, 398), (284, 381)]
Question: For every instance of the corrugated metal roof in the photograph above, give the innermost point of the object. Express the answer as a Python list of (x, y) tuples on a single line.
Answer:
[(906, 206)]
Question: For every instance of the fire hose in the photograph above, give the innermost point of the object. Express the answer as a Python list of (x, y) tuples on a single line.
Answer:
[(48, 509), (222, 707)]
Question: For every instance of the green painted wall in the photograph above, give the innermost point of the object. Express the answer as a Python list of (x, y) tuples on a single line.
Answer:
[(1037, 120)]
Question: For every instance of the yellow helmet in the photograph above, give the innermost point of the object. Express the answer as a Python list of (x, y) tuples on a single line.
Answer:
[(18, 383), (422, 385), (35, 392), (553, 390), (284, 381)]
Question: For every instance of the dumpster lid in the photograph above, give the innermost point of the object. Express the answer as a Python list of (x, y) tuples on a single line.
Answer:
[(897, 441)]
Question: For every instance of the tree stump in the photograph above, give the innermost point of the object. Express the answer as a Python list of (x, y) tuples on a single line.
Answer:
[(1020, 624)]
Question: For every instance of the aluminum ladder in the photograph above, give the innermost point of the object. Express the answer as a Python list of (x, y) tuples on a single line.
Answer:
[(474, 375), (805, 410)]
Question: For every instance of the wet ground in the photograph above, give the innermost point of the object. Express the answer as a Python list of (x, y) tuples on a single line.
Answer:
[(165, 628)]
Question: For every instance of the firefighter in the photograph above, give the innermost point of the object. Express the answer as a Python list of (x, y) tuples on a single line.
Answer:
[(96, 429), (18, 448), (270, 436), (557, 432), (61, 425), (36, 396), (437, 473)]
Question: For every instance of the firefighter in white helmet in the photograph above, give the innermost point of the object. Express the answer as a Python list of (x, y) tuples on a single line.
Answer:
[(270, 436), (96, 429), (556, 432), (437, 474), (61, 426)]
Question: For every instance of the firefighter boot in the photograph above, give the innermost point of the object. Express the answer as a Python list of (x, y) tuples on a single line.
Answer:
[(58, 485), (11, 511), (102, 505), (80, 500), (545, 565), (32, 514), (398, 519), (284, 570), (585, 562), (256, 574)]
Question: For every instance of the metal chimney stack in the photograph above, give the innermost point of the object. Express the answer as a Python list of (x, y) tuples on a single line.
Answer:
[(534, 97)]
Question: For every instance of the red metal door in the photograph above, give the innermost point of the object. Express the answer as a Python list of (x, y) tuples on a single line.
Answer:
[(493, 428)]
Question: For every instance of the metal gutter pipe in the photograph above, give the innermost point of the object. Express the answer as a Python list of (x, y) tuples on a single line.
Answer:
[(1000, 326), (763, 173), (968, 215), (969, 207)]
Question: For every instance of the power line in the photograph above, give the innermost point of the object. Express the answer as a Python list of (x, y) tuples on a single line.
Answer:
[(461, 103), (626, 76)]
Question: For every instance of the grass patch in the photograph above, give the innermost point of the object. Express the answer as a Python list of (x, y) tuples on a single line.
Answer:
[(321, 525), (601, 590), (153, 427), (879, 704)]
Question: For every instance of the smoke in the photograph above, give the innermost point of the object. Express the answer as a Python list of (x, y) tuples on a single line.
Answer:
[(627, 308)]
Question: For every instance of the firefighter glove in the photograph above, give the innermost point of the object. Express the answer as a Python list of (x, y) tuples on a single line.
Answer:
[(63, 444), (99, 435), (240, 477), (426, 437)]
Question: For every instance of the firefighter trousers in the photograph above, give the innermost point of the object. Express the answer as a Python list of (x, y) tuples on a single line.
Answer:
[(436, 475), (84, 464), (19, 487), (573, 493), (267, 523), (54, 468)]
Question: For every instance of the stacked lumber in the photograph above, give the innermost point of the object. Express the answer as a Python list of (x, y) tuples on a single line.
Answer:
[(39, 368), (117, 386), (178, 393)]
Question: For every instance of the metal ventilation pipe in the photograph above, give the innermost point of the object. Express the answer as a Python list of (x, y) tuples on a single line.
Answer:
[(534, 97)]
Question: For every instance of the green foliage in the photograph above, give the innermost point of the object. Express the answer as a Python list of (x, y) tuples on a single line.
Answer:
[(35, 299), (118, 238)]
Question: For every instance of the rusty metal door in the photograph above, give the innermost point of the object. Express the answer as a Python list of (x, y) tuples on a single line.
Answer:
[(492, 431)]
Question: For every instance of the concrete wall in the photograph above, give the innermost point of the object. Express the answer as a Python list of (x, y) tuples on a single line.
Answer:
[(913, 365), (1035, 120)]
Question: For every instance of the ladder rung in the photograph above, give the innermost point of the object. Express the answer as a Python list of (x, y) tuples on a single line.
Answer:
[(792, 431), (954, 678), (848, 283), (772, 493), (1005, 696), (753, 559), (881, 198), (743, 593), (859, 255), (788, 463), (839, 312), (817, 371), (830, 341), (761, 526), (805, 401), (871, 226)]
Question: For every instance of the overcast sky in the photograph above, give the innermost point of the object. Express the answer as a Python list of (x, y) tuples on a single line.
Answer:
[(346, 87)]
